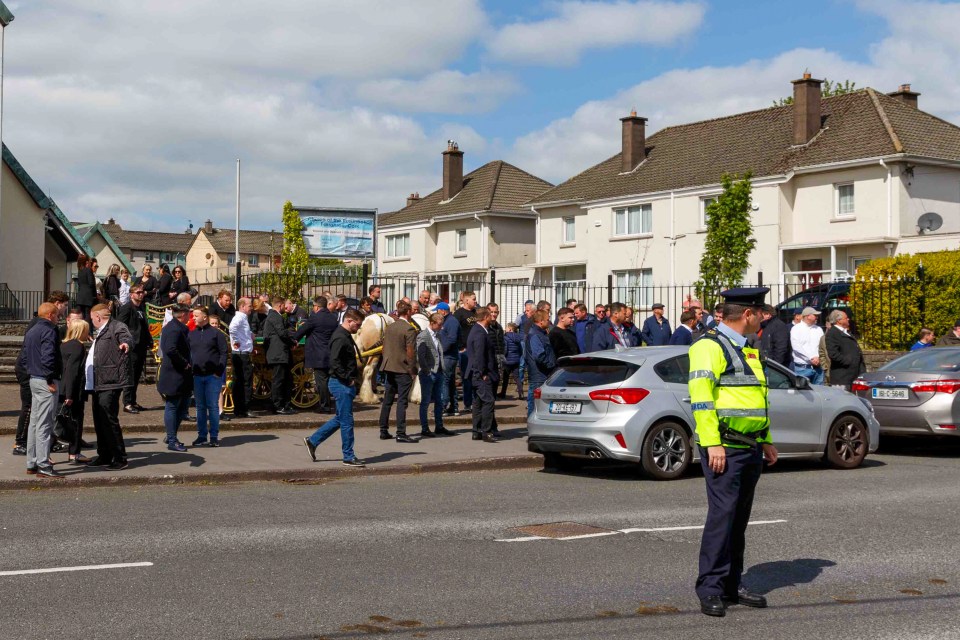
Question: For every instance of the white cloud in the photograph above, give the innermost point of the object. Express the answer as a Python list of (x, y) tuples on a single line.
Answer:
[(139, 110), (445, 91), (921, 49), (580, 26)]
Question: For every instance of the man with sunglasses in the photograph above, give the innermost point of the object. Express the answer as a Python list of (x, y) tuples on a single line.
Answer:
[(134, 315)]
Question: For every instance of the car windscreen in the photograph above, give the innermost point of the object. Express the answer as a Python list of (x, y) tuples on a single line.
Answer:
[(926, 360), (591, 372)]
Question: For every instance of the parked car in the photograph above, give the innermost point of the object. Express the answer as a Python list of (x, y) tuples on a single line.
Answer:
[(633, 405), (916, 394), (824, 298)]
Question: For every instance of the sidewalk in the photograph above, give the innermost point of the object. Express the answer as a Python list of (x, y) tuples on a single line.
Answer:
[(269, 449)]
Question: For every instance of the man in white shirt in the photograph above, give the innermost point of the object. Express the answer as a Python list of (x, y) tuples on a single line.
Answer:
[(241, 341), (805, 340)]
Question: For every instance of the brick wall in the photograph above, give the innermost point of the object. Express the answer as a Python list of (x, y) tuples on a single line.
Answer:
[(876, 359)]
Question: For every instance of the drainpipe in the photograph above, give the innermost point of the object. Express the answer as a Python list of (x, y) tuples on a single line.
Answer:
[(889, 197), (673, 244)]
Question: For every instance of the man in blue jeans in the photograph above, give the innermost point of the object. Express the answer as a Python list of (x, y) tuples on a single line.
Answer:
[(343, 388), (208, 352), (449, 341), (430, 363)]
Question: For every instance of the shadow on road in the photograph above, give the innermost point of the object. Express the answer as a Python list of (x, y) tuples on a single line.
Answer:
[(769, 576), (172, 457), (248, 438), (392, 455), (921, 447)]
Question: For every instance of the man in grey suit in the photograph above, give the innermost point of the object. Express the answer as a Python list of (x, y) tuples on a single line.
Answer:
[(430, 362)]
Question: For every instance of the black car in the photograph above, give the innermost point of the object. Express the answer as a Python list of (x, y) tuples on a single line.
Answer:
[(824, 298)]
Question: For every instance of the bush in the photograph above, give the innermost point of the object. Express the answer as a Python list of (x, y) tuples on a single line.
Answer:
[(893, 298)]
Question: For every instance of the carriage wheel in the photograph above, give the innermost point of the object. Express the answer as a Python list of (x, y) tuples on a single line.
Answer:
[(262, 376), (227, 393), (304, 394)]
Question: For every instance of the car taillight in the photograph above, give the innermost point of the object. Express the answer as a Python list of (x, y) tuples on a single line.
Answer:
[(623, 443), (936, 386), (536, 393), (620, 396), (947, 426), (859, 385)]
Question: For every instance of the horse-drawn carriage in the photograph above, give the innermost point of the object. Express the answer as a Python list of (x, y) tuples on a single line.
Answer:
[(304, 394)]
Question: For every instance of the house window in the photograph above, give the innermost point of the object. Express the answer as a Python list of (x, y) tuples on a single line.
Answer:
[(148, 256), (856, 263), (461, 241), (231, 259), (410, 290), (845, 201), (704, 203), (633, 220), (634, 288), (166, 257), (569, 231), (398, 246), (253, 260)]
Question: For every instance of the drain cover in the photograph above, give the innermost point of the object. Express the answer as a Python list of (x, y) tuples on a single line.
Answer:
[(559, 530)]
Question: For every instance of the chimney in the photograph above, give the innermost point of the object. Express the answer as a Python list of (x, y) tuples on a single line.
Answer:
[(112, 221), (452, 170), (413, 197), (906, 96), (806, 109), (208, 227), (634, 142)]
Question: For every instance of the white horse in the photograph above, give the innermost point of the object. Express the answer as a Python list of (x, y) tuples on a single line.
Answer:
[(370, 338), (422, 322)]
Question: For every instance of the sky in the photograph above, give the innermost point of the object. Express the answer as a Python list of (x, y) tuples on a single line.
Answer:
[(139, 110)]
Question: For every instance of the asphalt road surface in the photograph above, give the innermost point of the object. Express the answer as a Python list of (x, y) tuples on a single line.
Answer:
[(870, 553)]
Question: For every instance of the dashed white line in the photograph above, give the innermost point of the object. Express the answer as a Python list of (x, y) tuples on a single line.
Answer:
[(89, 567), (625, 531)]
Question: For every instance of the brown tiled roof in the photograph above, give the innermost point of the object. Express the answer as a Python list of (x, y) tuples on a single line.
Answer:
[(496, 186), (251, 242), (862, 124), (149, 240)]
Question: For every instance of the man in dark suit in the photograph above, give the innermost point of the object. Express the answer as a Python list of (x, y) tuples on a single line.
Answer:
[(775, 337), (277, 343), (223, 308), (684, 333), (482, 369), (399, 366), (295, 314), (175, 378), (134, 315), (317, 330), (846, 357)]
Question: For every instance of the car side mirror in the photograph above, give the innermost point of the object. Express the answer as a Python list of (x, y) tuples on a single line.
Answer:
[(803, 383)]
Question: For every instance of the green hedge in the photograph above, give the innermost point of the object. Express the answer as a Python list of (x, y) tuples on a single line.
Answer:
[(893, 298)]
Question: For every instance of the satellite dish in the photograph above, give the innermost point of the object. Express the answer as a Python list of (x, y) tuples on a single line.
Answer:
[(929, 221)]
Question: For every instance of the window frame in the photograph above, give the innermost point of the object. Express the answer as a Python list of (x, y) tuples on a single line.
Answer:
[(572, 222), (705, 201), (854, 260), (645, 214), (625, 292), (253, 260), (460, 234), (391, 242), (231, 259), (148, 256), (837, 213)]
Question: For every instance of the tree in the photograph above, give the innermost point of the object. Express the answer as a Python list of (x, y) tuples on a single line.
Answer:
[(828, 90), (293, 257), (729, 239)]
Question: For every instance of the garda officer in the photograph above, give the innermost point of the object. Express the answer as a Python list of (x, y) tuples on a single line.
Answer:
[(728, 395)]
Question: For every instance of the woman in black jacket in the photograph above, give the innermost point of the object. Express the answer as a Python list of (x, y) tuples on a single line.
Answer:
[(72, 387), (86, 287), (163, 287), (149, 284), (111, 287), (181, 284)]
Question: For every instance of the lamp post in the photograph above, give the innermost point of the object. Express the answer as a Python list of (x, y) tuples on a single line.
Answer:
[(5, 18)]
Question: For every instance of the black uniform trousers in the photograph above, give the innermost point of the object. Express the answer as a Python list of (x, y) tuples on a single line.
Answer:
[(320, 378), (242, 382), (77, 410), (137, 361), (395, 385), (281, 386), (106, 422), (26, 407), (483, 418), (729, 501)]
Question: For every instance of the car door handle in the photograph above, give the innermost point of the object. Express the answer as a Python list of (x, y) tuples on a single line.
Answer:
[(687, 399)]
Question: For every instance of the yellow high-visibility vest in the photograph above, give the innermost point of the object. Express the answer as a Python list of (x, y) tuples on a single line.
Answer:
[(727, 388)]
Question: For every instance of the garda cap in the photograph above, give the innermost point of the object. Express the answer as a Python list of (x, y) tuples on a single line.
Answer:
[(746, 296)]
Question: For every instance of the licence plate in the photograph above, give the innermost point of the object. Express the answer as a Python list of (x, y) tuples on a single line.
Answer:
[(890, 394), (565, 407)]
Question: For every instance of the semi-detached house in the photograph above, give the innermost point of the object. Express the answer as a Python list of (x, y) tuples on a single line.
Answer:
[(837, 181), (456, 235)]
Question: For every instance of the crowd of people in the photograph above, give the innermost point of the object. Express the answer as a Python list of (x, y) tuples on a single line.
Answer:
[(462, 354)]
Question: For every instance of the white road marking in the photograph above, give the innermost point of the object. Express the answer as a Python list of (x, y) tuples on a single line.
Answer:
[(90, 567), (625, 531)]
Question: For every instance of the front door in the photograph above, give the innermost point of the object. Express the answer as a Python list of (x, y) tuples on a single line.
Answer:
[(811, 279)]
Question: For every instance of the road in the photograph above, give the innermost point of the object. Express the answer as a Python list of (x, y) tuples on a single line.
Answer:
[(869, 553)]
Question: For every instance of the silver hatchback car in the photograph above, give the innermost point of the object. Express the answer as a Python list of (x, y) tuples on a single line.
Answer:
[(633, 405)]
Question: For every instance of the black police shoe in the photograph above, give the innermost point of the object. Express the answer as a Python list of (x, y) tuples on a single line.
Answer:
[(747, 599), (713, 606)]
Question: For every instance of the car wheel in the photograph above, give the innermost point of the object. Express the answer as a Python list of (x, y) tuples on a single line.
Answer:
[(847, 442), (666, 451), (560, 462)]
